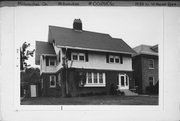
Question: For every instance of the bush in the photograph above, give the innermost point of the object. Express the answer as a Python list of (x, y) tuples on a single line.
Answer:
[(113, 89)]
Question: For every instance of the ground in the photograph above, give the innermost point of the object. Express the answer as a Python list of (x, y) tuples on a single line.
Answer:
[(92, 100)]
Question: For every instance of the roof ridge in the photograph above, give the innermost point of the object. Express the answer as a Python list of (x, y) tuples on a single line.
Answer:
[(81, 31)]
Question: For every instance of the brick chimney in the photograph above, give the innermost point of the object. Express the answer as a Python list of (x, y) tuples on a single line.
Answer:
[(77, 24)]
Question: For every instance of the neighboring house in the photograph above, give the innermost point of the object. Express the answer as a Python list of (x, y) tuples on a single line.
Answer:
[(71, 52), (145, 66)]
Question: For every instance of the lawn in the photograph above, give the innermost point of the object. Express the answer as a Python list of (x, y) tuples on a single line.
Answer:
[(92, 100)]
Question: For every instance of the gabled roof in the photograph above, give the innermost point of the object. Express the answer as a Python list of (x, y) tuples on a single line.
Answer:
[(43, 48), (66, 37), (146, 49)]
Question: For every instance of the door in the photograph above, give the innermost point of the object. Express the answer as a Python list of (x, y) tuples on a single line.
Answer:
[(123, 82), (33, 90)]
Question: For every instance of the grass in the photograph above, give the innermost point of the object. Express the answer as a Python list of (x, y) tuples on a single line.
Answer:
[(92, 100)]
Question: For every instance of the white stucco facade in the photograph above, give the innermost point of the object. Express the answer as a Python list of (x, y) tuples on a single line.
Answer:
[(95, 61)]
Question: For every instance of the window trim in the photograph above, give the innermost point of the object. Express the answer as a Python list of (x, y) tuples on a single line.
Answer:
[(78, 56), (150, 63), (114, 58), (87, 84), (111, 56), (81, 54), (50, 79), (50, 62)]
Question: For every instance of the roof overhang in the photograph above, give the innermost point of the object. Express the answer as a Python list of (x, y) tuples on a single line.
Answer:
[(90, 49)]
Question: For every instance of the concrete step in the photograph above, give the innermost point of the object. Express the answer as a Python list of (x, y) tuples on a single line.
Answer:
[(128, 92)]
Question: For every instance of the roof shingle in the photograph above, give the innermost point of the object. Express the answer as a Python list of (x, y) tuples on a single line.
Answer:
[(146, 49), (88, 40), (45, 48)]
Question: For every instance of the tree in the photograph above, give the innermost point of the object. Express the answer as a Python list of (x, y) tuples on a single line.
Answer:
[(24, 55)]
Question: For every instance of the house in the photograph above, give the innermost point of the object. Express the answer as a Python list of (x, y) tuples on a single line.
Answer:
[(75, 61), (145, 66)]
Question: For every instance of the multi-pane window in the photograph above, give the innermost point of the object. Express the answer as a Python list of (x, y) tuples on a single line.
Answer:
[(81, 57), (78, 56), (151, 63), (115, 59), (89, 76), (100, 77), (52, 81), (95, 79)]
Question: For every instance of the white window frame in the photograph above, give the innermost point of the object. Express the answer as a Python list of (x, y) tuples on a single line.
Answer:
[(111, 56), (74, 54), (50, 59), (81, 54), (152, 63), (50, 79), (78, 56), (95, 84), (114, 58)]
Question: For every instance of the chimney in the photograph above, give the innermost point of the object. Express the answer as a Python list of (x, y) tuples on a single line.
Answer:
[(77, 24)]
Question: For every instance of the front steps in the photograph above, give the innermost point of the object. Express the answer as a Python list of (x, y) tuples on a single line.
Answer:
[(128, 92)]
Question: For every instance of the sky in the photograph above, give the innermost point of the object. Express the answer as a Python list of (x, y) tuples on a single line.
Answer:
[(135, 25)]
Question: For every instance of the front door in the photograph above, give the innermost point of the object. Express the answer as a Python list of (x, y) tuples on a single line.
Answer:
[(123, 82)]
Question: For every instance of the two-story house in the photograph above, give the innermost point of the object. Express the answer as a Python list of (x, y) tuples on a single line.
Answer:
[(145, 66), (71, 52)]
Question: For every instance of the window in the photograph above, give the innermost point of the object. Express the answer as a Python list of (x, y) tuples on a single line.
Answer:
[(95, 79), (151, 64), (52, 62), (89, 77), (52, 81), (75, 56), (115, 59), (81, 57), (100, 78), (111, 59), (78, 56), (151, 81)]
